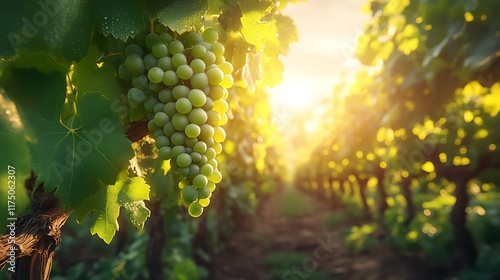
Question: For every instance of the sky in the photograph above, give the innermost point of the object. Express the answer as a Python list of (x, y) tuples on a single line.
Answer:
[(328, 31)]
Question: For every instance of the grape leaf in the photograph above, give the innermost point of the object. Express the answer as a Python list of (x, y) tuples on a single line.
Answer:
[(181, 16), (120, 18), (106, 203), (74, 157), (15, 152), (256, 31)]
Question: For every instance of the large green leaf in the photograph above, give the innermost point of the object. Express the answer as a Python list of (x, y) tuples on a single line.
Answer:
[(254, 29), (73, 157), (120, 18), (181, 15), (106, 202)]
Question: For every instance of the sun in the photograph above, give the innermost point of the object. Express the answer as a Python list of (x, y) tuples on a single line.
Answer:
[(293, 95)]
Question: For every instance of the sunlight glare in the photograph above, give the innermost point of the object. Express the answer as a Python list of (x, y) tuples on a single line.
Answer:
[(293, 95)]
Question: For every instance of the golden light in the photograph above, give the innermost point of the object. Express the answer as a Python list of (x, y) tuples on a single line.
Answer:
[(291, 95)]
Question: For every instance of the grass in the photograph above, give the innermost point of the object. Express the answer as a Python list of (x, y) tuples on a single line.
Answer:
[(295, 204)]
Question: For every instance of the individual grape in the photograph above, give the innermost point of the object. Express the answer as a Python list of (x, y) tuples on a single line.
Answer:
[(161, 119), (184, 160), (194, 38), (197, 65), (178, 150), (211, 186), (184, 72), (209, 58), (192, 130), (165, 95), (155, 74), (218, 148), (219, 60), (199, 81), (175, 47), (152, 126), (218, 49), (213, 118), (169, 129), (165, 63), (204, 192), (159, 50), (183, 105), (158, 133), (207, 132), (210, 35), (203, 160), (193, 170), (190, 142), (204, 202), (162, 141), (169, 109), (196, 157), (183, 171), (165, 153), (200, 147), (226, 67), (150, 61), (165, 38), (210, 153), (150, 103), (140, 81), (223, 119), (180, 121), (150, 40), (216, 177), (215, 76), (210, 142), (213, 162), (209, 104), (134, 64), (158, 108), (197, 116), (195, 209), (221, 106), (207, 170), (180, 91), (179, 59), (200, 181), (156, 87), (136, 96), (170, 78), (227, 82), (189, 193), (134, 49), (124, 74), (178, 138), (199, 51), (197, 97)]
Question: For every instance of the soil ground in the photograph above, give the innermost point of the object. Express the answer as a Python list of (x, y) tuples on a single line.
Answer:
[(269, 232)]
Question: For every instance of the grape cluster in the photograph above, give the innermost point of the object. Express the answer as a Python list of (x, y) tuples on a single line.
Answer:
[(182, 81)]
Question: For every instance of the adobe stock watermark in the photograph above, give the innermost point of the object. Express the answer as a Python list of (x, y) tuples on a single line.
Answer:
[(31, 26), (321, 253)]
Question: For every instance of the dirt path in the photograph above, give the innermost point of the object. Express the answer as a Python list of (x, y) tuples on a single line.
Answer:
[(270, 232)]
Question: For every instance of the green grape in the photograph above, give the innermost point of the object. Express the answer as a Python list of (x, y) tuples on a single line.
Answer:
[(175, 47), (150, 40), (165, 153), (204, 192), (159, 50), (136, 96), (223, 119), (219, 60), (207, 131), (192, 130), (190, 142), (178, 138), (209, 58), (184, 160), (134, 64), (210, 153), (215, 76), (199, 81), (209, 104), (207, 170), (183, 171), (197, 97), (162, 141), (200, 180), (184, 183), (203, 160), (193, 170), (165, 37), (221, 106), (180, 91), (194, 38), (124, 74), (156, 87), (195, 209), (178, 150), (155, 74), (210, 142), (216, 92), (170, 78), (158, 108), (165, 95), (161, 119), (169, 109), (169, 129), (140, 81), (184, 72), (196, 157), (204, 202), (197, 116), (183, 105), (165, 63), (200, 147), (218, 148), (210, 35), (218, 49), (180, 121), (189, 193), (211, 186), (213, 118), (219, 134), (150, 61), (216, 177), (179, 59), (134, 49), (199, 51), (197, 65), (152, 126), (150, 103), (227, 82), (226, 67), (213, 162), (158, 133)]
